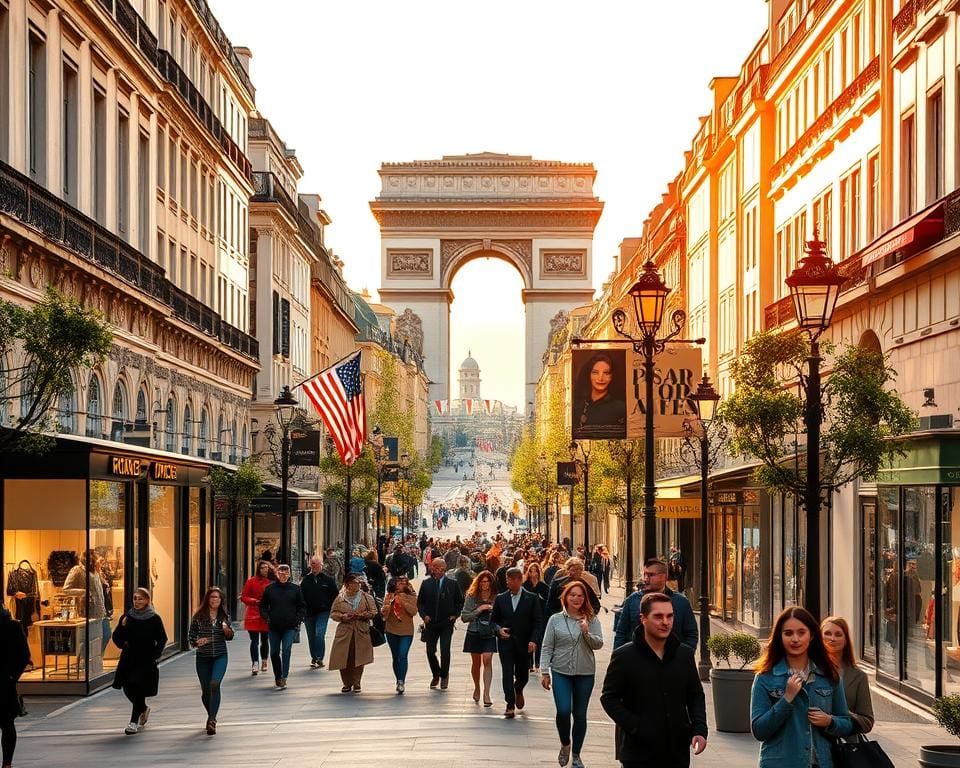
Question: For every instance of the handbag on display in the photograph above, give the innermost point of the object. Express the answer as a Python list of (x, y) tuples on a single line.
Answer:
[(858, 751)]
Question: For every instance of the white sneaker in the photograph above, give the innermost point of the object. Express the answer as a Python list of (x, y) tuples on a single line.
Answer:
[(255, 670), (131, 729)]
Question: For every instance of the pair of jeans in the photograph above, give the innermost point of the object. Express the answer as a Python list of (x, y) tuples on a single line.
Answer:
[(316, 626), (571, 694), (259, 646), (513, 663), (281, 643), (442, 632), (210, 672), (399, 648)]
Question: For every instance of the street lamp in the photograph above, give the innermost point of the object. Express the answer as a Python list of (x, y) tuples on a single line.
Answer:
[(583, 449), (649, 295), (286, 411), (625, 449), (405, 472), (706, 399), (545, 523), (376, 444), (814, 287)]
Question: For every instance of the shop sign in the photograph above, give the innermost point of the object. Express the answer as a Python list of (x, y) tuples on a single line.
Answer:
[(678, 509), (126, 466), (164, 471), (726, 497), (305, 447), (567, 473), (677, 371)]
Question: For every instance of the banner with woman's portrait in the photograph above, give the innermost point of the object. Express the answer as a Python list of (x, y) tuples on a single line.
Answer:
[(599, 389)]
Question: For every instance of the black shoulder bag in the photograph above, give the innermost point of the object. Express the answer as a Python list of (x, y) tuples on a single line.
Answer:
[(857, 751)]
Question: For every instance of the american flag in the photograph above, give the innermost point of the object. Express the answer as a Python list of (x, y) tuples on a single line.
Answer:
[(337, 394)]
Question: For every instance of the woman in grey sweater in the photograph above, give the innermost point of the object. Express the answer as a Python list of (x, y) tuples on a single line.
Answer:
[(856, 687), (569, 641)]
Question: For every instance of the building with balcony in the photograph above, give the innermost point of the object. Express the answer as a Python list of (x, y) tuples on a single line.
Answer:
[(124, 183)]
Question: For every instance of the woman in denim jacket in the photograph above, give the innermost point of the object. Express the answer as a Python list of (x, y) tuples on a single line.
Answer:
[(797, 703)]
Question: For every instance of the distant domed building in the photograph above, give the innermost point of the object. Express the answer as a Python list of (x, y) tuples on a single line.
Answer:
[(469, 378)]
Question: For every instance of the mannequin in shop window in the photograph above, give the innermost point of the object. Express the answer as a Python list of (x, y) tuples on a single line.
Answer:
[(24, 587), (83, 579)]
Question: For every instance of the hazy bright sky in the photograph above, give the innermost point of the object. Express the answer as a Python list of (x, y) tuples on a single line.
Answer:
[(619, 83)]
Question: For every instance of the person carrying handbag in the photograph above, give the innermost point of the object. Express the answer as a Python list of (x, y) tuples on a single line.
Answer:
[(399, 608), (352, 650), (480, 641)]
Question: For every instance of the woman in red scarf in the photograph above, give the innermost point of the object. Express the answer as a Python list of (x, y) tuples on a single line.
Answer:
[(398, 610)]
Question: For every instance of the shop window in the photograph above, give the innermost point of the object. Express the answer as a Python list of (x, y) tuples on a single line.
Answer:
[(162, 556), (869, 527), (94, 408), (170, 427), (917, 595), (751, 589), (108, 511), (950, 622), (194, 553), (888, 570), (118, 412)]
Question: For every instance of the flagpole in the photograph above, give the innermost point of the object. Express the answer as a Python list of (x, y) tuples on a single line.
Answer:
[(347, 549)]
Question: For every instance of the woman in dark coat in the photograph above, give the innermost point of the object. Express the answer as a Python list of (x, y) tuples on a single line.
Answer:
[(141, 638), (14, 655)]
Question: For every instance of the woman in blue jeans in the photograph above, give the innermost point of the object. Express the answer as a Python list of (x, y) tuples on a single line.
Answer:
[(209, 632), (399, 608), (569, 641)]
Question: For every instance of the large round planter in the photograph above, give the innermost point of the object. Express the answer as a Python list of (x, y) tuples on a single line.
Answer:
[(731, 699), (940, 756)]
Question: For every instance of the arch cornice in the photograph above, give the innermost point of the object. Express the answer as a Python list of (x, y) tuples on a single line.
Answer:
[(455, 253)]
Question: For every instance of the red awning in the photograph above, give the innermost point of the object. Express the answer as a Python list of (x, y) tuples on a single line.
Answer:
[(928, 223)]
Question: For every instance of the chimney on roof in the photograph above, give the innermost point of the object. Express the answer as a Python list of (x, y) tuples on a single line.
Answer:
[(244, 54)]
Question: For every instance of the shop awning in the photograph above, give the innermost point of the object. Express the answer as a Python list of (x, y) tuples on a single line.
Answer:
[(926, 225)]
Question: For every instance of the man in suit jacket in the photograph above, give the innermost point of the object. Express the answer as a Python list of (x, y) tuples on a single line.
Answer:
[(439, 604), (518, 616)]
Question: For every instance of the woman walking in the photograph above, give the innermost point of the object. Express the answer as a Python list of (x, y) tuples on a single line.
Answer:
[(253, 622), (141, 638), (569, 642), (209, 631), (398, 611), (533, 582), (481, 640), (352, 649), (14, 655), (376, 578), (856, 687), (797, 703)]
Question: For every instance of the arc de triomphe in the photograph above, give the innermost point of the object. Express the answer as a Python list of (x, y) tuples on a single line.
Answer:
[(436, 215)]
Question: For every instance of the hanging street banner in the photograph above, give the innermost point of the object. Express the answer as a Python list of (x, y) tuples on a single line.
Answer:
[(305, 447), (567, 473), (678, 369), (391, 452), (599, 386)]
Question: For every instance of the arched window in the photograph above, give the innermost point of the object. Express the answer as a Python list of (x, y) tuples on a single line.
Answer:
[(204, 430), (26, 391), (187, 430), (65, 409), (244, 450), (233, 443), (118, 412), (220, 456), (170, 426), (94, 408), (141, 408)]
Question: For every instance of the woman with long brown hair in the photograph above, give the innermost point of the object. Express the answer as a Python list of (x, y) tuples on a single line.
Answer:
[(533, 582), (569, 642), (797, 702), (480, 641), (856, 687), (209, 631)]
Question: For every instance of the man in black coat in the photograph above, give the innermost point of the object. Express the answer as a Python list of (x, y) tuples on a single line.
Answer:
[(518, 617), (652, 692), (319, 591), (283, 607), (14, 655), (439, 604)]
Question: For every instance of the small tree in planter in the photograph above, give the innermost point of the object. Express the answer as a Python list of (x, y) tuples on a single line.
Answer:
[(946, 710), (732, 684)]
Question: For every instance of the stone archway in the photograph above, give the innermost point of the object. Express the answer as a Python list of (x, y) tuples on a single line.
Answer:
[(437, 215)]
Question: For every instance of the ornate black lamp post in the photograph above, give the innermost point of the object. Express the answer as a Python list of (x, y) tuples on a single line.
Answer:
[(286, 412), (814, 286), (580, 453), (706, 399), (649, 296)]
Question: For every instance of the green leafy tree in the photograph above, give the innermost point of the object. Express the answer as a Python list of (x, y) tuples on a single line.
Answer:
[(609, 464), (57, 336), (238, 487), (863, 416)]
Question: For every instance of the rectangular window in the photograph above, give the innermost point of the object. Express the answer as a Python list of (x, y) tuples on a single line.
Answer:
[(161, 160), (184, 274), (936, 166), (172, 263), (123, 172), (828, 76), (193, 274), (161, 249), (37, 107), (99, 156), (849, 212), (143, 183), (69, 138), (285, 328), (183, 178), (276, 323), (4, 83), (194, 206), (908, 166), (172, 159), (873, 197), (203, 282)]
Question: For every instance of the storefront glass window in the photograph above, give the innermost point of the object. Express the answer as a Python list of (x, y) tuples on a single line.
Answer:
[(950, 633), (776, 529), (919, 606), (750, 589), (45, 575), (194, 554), (869, 517), (790, 577), (888, 649), (107, 525), (162, 554)]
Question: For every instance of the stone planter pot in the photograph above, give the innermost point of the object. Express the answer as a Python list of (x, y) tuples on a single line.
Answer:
[(940, 756), (731, 699)]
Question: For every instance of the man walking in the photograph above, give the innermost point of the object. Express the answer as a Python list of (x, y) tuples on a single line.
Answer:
[(655, 580), (439, 604), (319, 592), (283, 607), (332, 565), (518, 616), (652, 692)]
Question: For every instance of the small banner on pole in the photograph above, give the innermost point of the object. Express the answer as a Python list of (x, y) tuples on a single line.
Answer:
[(305, 447), (567, 473), (599, 389), (678, 369)]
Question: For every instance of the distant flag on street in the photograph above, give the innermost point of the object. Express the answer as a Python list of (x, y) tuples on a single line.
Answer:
[(488, 406), (337, 394), (441, 406), (469, 403)]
